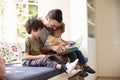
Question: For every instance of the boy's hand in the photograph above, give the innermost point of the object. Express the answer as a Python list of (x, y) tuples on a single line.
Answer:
[(44, 56), (70, 42)]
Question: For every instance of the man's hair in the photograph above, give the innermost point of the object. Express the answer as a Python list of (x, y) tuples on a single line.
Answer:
[(33, 24), (55, 14)]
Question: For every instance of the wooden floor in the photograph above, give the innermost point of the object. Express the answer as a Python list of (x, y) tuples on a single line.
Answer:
[(105, 78)]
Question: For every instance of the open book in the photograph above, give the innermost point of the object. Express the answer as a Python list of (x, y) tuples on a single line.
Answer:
[(71, 48)]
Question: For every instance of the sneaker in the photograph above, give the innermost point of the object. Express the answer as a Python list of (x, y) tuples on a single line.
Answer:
[(71, 66), (83, 74), (89, 70)]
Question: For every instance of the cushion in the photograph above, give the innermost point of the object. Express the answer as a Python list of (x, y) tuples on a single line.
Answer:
[(10, 51), (18, 72)]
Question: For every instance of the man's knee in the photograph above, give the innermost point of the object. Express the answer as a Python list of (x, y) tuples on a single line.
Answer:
[(3, 77), (2, 69)]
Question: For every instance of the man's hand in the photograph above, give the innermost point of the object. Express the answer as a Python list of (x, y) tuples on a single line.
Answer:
[(58, 48)]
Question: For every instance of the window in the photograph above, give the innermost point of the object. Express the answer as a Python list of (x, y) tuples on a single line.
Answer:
[(13, 15), (26, 9), (2, 17)]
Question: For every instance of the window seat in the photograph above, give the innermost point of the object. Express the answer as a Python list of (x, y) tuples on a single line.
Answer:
[(18, 72), (12, 53)]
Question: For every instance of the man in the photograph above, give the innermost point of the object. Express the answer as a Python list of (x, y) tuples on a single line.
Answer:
[(2, 69), (52, 20)]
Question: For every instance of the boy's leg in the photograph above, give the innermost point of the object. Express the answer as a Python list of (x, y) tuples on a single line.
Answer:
[(83, 61), (81, 57), (72, 56), (43, 62)]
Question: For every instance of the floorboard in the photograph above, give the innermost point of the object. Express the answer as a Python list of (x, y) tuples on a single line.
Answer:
[(107, 78)]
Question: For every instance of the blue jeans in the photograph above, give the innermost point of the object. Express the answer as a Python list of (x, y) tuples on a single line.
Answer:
[(77, 54)]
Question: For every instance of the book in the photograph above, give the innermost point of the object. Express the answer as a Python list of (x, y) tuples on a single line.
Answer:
[(73, 47)]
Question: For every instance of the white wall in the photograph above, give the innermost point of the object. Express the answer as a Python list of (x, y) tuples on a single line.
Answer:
[(46, 5), (9, 18), (74, 16), (116, 20), (78, 21), (108, 53)]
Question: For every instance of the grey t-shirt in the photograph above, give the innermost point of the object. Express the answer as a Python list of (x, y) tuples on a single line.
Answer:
[(44, 34)]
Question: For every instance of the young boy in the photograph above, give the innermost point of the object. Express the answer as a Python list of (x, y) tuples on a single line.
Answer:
[(55, 39), (33, 56)]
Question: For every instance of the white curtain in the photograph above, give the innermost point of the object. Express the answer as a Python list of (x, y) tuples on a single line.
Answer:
[(10, 31)]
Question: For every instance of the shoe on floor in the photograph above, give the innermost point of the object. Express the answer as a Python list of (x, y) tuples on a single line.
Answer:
[(83, 74), (71, 66), (89, 70)]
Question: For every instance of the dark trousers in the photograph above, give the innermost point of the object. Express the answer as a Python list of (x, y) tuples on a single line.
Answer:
[(77, 54), (44, 62)]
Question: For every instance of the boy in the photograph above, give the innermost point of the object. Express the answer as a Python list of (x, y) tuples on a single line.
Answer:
[(33, 56), (55, 39)]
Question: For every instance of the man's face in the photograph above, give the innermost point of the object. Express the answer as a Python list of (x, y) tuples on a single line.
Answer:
[(53, 24)]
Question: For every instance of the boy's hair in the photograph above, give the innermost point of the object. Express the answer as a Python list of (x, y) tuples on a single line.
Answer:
[(55, 14), (33, 24), (61, 28)]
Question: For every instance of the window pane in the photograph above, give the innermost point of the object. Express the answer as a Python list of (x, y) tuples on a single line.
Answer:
[(2, 30), (20, 0), (2, 18), (33, 10), (2, 8), (21, 12), (21, 30), (26, 9), (33, 1)]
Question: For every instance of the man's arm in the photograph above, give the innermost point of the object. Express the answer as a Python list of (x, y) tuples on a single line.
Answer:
[(46, 49), (56, 48)]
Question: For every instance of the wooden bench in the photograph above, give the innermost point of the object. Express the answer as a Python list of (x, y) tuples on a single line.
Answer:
[(64, 76), (75, 75)]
